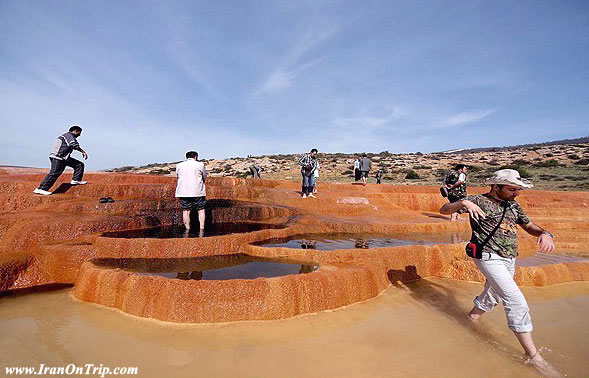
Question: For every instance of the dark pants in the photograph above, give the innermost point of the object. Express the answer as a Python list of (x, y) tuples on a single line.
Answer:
[(307, 183), (357, 175), (57, 168), (255, 173)]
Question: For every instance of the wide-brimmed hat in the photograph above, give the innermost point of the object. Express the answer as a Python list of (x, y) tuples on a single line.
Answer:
[(508, 177)]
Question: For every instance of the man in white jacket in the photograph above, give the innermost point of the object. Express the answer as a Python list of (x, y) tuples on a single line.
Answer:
[(191, 190)]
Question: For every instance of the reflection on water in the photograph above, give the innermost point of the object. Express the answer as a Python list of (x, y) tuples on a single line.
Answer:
[(219, 267), (335, 241), (215, 229), (412, 330)]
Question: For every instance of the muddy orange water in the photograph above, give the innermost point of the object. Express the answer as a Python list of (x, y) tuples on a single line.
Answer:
[(379, 311), (413, 330)]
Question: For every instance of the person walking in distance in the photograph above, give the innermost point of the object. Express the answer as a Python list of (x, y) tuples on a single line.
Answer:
[(191, 189), (379, 174), (255, 171), (365, 166), (308, 163), (455, 183), (494, 218), (315, 178), (357, 173), (60, 158)]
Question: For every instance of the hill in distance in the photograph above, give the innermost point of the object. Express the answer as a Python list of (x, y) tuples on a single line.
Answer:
[(557, 165)]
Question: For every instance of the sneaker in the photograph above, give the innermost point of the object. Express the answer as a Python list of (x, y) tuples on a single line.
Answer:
[(42, 192), (304, 196), (74, 182), (311, 195)]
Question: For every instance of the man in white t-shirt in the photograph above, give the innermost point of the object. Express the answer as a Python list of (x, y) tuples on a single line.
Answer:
[(191, 190), (315, 178)]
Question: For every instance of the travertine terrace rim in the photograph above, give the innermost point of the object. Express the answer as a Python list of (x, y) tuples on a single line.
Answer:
[(50, 240)]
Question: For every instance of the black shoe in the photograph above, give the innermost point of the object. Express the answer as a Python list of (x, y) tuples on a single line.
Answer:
[(109, 199), (103, 200)]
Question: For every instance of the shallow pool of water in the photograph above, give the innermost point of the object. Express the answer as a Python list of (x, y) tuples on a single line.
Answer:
[(414, 330), (547, 258), (327, 242), (219, 267), (215, 229)]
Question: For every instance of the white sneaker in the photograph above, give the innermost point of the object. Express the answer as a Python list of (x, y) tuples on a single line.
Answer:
[(42, 192), (311, 195), (304, 196), (74, 182)]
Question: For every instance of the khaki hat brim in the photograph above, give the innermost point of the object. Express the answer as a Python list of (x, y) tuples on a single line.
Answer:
[(523, 183)]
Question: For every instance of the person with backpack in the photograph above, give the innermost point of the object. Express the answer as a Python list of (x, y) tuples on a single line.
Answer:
[(308, 163), (494, 218), (455, 185)]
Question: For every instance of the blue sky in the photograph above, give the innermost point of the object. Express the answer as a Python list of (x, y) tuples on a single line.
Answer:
[(149, 80)]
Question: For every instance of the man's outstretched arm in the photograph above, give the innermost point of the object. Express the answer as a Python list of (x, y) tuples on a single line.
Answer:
[(471, 207), (545, 240)]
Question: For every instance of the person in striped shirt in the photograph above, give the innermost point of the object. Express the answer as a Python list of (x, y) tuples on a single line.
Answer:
[(60, 158)]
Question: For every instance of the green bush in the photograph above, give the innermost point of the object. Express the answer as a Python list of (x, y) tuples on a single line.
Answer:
[(159, 171), (412, 175), (475, 168), (547, 163), (523, 171), (582, 162)]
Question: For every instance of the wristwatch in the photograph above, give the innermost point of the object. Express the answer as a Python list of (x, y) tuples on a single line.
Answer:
[(548, 233)]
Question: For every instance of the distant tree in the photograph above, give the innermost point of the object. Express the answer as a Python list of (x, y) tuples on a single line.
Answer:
[(412, 175)]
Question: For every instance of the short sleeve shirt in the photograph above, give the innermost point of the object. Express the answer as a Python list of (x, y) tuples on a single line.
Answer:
[(460, 190), (504, 241), (191, 179)]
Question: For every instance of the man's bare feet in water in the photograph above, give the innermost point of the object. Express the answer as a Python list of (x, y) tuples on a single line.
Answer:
[(475, 313), (544, 367)]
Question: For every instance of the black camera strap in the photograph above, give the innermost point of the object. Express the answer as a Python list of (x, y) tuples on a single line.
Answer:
[(505, 206)]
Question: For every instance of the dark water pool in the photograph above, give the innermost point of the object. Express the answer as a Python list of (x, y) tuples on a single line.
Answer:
[(220, 267), (215, 229), (334, 241)]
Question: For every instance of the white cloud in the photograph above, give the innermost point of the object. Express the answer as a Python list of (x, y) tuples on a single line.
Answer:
[(462, 119), (291, 67), (369, 123)]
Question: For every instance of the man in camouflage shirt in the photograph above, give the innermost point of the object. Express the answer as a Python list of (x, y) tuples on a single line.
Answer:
[(499, 254), (504, 240), (455, 182)]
